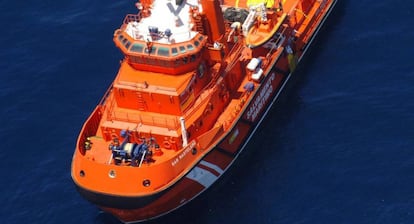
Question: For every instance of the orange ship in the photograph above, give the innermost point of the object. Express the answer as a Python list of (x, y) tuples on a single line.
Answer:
[(196, 81)]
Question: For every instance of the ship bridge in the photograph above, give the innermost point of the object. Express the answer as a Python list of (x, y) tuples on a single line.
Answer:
[(168, 46)]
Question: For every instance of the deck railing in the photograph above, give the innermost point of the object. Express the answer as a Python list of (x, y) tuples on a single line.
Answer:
[(137, 118), (90, 128)]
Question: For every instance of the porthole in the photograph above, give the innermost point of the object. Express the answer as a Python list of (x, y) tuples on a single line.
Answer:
[(146, 183), (112, 174)]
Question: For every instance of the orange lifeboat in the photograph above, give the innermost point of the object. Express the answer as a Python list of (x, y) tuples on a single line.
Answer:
[(261, 24)]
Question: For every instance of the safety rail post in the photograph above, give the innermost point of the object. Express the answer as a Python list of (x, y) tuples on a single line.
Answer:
[(282, 34)]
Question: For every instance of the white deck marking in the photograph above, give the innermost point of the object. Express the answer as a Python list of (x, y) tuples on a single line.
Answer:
[(202, 176), (212, 166)]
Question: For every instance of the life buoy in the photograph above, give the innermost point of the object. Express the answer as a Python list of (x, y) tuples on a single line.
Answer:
[(167, 144)]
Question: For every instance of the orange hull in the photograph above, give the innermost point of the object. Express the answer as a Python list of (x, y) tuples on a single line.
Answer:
[(190, 93)]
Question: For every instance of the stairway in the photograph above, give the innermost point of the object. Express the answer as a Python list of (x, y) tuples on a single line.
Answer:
[(141, 102)]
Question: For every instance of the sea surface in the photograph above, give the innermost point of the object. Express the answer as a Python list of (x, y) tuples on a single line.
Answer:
[(339, 149)]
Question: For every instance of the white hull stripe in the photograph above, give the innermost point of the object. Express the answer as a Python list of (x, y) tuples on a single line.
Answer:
[(212, 166), (202, 176)]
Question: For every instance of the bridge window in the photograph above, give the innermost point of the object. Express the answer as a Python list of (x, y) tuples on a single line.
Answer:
[(174, 51), (153, 49), (137, 48), (163, 51), (192, 57), (127, 44), (182, 49), (124, 41), (196, 43), (190, 47), (185, 60)]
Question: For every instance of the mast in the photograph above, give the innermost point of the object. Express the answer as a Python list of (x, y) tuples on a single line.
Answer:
[(212, 10)]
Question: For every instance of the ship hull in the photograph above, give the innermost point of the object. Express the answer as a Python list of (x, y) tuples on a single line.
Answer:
[(214, 164)]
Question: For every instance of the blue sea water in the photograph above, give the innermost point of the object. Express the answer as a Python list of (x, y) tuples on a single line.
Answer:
[(339, 149)]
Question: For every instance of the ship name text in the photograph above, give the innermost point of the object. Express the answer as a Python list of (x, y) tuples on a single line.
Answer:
[(186, 150), (261, 99)]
